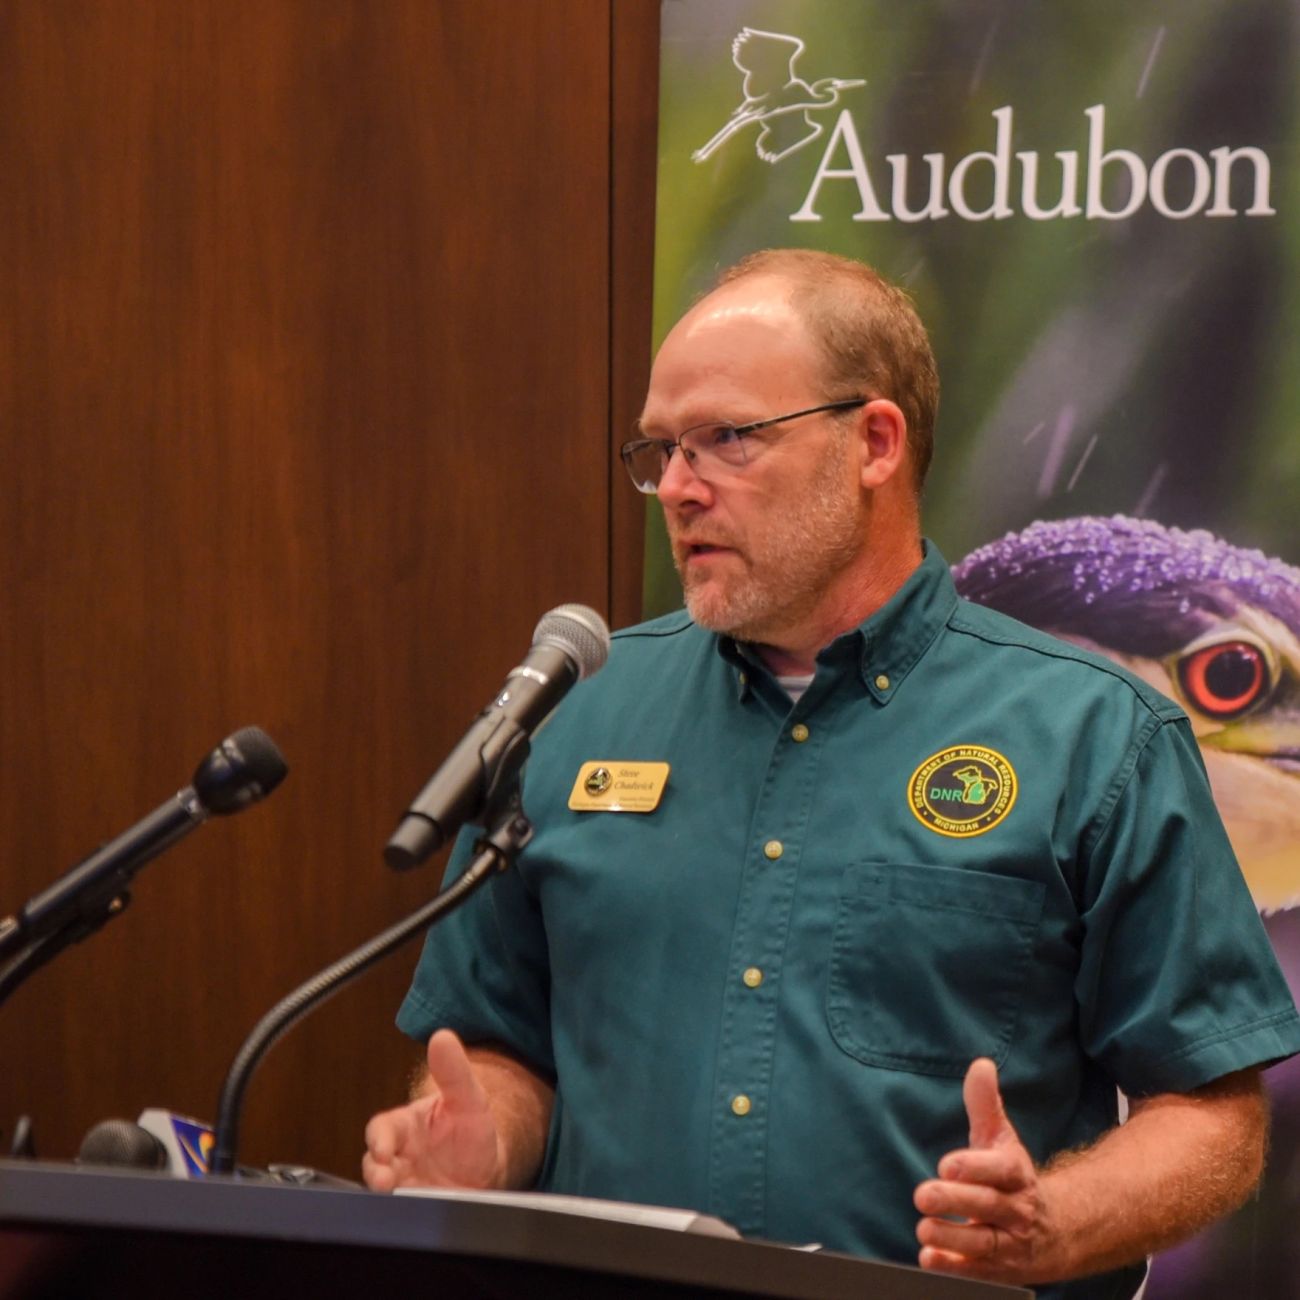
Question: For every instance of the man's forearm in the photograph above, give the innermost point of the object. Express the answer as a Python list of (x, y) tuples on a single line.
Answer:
[(1180, 1162)]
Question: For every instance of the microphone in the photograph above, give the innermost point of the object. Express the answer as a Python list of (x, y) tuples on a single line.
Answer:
[(118, 1143), (241, 770), (477, 780), (174, 1144), (570, 643), (160, 1139)]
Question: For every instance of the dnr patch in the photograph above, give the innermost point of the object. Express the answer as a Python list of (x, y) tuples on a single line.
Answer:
[(963, 790)]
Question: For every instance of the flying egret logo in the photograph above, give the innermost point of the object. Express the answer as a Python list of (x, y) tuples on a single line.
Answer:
[(962, 790), (1100, 181), (777, 99)]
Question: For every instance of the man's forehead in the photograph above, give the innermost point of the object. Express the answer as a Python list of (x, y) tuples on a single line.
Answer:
[(732, 355), (759, 300), (739, 327)]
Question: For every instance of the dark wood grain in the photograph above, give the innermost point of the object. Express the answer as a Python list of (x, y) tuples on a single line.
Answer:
[(635, 113), (305, 377)]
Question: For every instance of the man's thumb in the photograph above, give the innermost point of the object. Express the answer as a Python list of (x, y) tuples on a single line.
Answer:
[(450, 1070), (989, 1124)]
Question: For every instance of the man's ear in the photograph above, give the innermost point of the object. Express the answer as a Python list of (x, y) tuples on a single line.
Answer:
[(882, 428)]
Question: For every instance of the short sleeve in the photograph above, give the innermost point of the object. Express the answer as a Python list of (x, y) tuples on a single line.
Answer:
[(484, 969), (1178, 984)]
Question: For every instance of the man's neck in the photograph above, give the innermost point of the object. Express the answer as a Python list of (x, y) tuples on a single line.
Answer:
[(794, 652)]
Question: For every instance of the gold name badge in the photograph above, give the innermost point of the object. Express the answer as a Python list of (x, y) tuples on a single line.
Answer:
[(605, 785)]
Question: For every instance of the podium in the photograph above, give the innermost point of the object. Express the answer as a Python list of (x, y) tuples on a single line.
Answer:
[(93, 1234)]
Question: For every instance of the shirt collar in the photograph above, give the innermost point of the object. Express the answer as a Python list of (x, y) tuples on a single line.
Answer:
[(886, 646)]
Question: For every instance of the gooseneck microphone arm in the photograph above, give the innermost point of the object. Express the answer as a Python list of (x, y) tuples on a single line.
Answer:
[(495, 852), (478, 784)]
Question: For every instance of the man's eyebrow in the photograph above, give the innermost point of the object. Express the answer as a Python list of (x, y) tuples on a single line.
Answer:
[(667, 434), (639, 428)]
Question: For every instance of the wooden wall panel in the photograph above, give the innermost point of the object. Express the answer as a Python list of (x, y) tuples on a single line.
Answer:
[(635, 116), (305, 386)]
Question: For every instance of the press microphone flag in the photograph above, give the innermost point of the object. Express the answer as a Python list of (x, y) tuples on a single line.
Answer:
[(167, 1143), (570, 643), (159, 1139)]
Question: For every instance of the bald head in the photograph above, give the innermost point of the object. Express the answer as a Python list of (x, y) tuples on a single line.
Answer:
[(865, 332)]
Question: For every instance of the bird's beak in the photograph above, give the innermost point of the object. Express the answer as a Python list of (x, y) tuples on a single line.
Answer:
[(1273, 737)]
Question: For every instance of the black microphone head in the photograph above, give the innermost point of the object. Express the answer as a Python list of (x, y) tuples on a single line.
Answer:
[(121, 1142), (579, 632), (241, 770)]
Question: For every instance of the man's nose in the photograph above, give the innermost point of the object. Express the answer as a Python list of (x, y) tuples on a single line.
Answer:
[(681, 485)]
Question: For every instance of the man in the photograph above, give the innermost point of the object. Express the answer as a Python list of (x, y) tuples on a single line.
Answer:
[(923, 888)]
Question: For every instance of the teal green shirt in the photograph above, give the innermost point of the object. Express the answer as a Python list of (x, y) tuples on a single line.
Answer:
[(966, 839)]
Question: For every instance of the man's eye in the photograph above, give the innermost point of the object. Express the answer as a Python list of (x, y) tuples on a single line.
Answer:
[(724, 435)]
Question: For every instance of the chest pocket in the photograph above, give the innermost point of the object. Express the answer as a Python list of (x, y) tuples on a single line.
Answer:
[(929, 965)]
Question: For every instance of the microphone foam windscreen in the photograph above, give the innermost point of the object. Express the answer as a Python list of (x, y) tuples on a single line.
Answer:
[(119, 1142), (241, 770), (266, 764)]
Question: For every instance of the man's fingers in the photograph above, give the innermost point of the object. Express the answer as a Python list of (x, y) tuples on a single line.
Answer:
[(378, 1176), (935, 1260), (979, 1241), (385, 1137), (386, 1133), (943, 1261), (972, 1201), (1007, 1168), (979, 1091)]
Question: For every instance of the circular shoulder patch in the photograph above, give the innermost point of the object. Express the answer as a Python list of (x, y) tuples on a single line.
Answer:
[(963, 790)]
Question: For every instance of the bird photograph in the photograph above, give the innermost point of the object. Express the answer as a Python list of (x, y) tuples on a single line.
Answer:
[(1215, 627)]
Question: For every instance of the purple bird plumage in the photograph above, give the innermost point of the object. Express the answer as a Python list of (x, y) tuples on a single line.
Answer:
[(1131, 584)]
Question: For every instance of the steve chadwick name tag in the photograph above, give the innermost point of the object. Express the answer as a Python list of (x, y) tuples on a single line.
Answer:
[(607, 785)]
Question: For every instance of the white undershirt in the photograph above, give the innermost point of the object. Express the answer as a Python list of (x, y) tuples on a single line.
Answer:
[(794, 685)]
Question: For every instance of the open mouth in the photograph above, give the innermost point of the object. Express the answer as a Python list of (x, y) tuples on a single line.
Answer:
[(702, 550)]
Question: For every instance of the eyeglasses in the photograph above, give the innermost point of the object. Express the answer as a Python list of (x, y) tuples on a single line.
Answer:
[(708, 447)]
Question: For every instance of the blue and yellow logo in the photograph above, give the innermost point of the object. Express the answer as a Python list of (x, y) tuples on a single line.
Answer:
[(962, 790)]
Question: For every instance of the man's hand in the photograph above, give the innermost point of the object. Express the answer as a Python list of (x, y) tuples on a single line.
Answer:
[(1005, 1231), (1181, 1161), (446, 1138)]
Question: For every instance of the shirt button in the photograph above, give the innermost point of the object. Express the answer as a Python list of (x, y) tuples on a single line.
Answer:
[(753, 977), (740, 1105), (799, 733), (882, 682), (744, 678), (773, 849)]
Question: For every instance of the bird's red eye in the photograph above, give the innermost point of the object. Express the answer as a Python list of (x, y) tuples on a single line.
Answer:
[(1224, 680)]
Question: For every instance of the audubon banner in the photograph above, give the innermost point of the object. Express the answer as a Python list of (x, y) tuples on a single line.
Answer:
[(1094, 205)]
